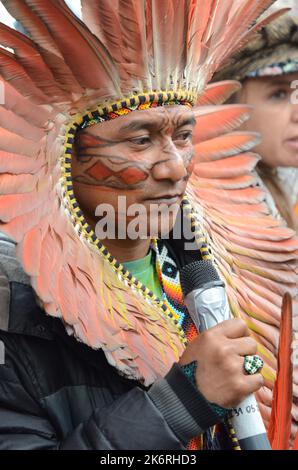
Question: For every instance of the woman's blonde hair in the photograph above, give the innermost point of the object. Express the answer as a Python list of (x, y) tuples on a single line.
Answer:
[(271, 180)]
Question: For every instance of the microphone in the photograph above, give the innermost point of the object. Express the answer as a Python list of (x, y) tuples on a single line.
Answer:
[(207, 303)]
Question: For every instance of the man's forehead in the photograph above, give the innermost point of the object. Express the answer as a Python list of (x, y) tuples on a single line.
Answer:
[(174, 115)]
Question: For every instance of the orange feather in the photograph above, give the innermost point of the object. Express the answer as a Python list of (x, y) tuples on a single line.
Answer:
[(14, 73), (213, 121), (218, 93), (226, 146), (280, 422), (32, 61)]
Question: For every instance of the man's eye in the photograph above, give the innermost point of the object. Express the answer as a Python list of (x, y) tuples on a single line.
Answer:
[(184, 136), (141, 140)]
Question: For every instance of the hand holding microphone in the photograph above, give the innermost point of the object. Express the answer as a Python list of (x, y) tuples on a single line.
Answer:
[(220, 354), (226, 373)]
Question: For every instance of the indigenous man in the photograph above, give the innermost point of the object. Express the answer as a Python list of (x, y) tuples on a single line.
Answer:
[(100, 350)]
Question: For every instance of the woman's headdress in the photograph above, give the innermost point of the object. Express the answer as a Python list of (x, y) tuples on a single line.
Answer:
[(272, 52)]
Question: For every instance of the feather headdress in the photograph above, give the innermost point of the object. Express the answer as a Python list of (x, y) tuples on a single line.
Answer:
[(125, 53)]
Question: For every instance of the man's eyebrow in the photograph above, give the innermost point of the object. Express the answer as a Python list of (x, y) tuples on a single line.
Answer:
[(187, 122), (137, 125)]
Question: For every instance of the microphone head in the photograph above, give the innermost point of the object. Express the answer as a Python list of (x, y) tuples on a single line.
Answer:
[(195, 275)]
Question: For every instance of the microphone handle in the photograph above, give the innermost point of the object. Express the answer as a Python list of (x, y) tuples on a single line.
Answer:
[(207, 307)]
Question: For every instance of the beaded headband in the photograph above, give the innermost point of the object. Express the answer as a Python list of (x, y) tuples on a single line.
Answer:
[(136, 103), (279, 68)]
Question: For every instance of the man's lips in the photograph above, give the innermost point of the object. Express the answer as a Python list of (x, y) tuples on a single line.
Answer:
[(165, 198)]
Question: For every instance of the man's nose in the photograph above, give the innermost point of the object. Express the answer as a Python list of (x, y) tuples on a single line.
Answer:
[(171, 165)]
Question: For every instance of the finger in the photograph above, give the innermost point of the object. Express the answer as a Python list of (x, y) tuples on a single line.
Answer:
[(234, 328), (253, 382), (245, 346)]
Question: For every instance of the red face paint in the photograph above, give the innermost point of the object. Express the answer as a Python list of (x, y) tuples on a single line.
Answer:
[(133, 176), (99, 172), (169, 131), (88, 140), (129, 176)]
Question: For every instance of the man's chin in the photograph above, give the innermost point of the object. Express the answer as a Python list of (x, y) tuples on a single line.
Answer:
[(143, 226), (162, 228)]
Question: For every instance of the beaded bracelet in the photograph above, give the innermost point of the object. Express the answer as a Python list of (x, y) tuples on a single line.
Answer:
[(190, 371)]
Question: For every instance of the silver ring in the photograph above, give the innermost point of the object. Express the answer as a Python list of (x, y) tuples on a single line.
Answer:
[(253, 364)]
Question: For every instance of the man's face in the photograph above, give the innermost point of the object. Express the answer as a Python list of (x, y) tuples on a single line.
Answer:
[(145, 156), (275, 117)]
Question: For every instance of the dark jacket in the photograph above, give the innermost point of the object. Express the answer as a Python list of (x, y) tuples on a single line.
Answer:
[(57, 393)]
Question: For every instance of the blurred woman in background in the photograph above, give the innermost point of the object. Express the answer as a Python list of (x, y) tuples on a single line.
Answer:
[(268, 70)]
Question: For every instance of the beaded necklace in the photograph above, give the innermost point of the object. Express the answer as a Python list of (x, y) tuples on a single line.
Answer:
[(169, 277)]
